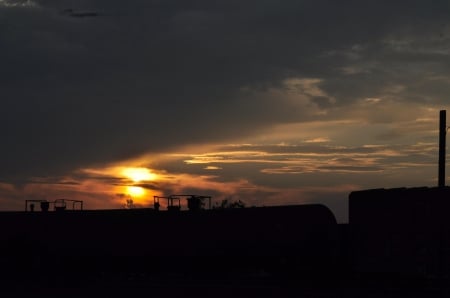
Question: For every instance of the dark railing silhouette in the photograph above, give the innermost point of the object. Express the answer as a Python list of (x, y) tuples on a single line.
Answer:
[(194, 202), (58, 205)]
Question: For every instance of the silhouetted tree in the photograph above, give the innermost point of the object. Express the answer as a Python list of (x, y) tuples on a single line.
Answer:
[(228, 204), (129, 204)]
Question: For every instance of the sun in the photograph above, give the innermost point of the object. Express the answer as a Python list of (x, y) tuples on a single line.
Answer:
[(135, 176), (135, 191), (138, 174)]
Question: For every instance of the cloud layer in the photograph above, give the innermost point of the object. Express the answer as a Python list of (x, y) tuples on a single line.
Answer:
[(89, 83)]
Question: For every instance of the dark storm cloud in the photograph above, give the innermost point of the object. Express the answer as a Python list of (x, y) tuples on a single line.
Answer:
[(152, 75)]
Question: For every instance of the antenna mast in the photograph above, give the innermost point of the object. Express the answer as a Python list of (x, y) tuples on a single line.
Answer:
[(442, 133)]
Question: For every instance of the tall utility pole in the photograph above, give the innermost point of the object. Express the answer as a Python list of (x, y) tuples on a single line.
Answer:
[(442, 133)]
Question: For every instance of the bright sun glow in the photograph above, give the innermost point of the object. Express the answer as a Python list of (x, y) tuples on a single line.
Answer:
[(135, 191), (138, 174)]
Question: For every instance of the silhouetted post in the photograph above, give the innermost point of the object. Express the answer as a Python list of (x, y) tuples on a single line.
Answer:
[(442, 133)]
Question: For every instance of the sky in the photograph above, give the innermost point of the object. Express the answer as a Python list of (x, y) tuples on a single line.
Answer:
[(265, 101)]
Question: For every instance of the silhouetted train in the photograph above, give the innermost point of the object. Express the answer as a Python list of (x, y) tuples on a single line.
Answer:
[(403, 231)]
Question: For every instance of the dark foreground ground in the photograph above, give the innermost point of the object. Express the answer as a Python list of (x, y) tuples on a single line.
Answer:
[(128, 284), (210, 287)]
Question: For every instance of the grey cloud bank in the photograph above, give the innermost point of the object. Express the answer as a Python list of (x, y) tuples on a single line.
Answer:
[(151, 76)]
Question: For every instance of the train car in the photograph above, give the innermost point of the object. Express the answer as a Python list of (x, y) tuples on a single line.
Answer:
[(404, 231), (299, 238)]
